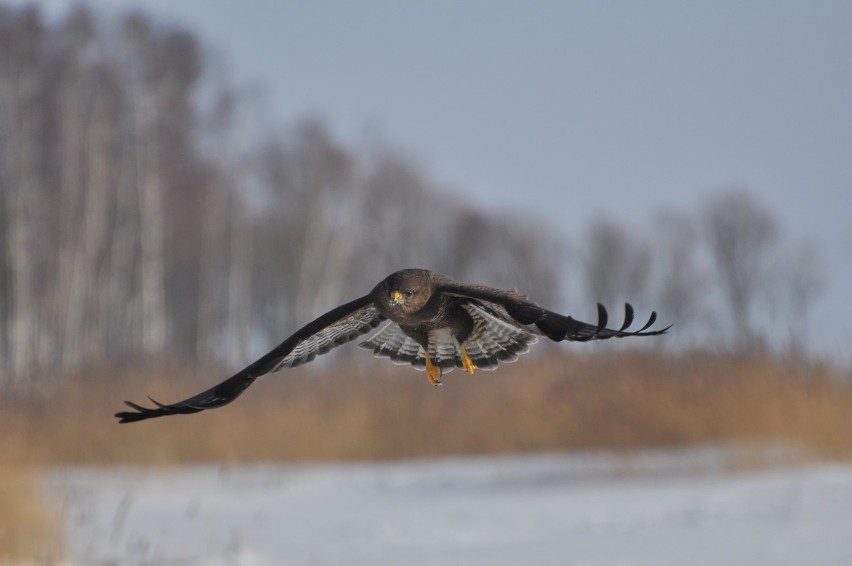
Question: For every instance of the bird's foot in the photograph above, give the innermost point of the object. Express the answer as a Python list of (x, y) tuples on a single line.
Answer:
[(467, 363), (433, 372)]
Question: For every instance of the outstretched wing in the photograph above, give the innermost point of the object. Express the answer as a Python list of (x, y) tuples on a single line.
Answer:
[(555, 326), (336, 327)]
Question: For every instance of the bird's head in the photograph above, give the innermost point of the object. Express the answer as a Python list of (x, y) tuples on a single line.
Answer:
[(407, 291)]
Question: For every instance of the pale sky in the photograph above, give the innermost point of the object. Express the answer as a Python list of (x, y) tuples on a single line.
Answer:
[(574, 109)]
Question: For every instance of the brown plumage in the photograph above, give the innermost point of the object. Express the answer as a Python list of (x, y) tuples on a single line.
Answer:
[(433, 323)]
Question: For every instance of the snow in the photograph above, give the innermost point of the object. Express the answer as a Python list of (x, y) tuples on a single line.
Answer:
[(666, 507)]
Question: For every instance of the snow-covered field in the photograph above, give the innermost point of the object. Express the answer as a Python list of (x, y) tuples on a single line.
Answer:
[(657, 508)]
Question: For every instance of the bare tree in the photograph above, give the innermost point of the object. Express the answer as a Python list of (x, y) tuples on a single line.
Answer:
[(681, 280), (311, 202), (164, 67), (617, 264), (509, 251), (741, 234), (88, 106), (216, 207), (408, 222), (22, 124), (798, 280), (323, 182), (149, 182)]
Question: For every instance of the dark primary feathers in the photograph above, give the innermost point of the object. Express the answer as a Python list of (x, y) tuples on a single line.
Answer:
[(433, 323)]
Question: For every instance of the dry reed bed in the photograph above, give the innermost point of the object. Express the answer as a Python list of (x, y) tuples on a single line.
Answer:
[(29, 532), (548, 401)]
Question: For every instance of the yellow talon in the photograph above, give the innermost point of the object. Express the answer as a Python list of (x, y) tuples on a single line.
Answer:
[(433, 372), (467, 363)]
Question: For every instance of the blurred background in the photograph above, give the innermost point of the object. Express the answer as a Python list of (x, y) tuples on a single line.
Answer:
[(184, 184)]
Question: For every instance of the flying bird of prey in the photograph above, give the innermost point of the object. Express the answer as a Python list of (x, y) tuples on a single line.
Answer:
[(433, 323)]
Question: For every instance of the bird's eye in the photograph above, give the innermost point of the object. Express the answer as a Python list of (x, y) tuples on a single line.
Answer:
[(409, 294)]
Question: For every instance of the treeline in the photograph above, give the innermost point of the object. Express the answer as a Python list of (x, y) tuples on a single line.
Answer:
[(725, 273), (138, 224), (135, 227)]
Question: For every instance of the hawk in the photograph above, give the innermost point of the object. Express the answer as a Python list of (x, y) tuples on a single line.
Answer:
[(433, 323)]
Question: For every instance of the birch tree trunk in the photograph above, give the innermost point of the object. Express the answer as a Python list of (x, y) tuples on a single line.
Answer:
[(70, 302), (149, 185), (240, 281), (124, 324), (213, 261), (21, 201)]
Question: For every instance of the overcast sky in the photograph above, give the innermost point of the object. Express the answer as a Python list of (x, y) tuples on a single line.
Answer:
[(575, 109)]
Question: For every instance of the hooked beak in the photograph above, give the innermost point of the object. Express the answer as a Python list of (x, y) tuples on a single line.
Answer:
[(395, 298)]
